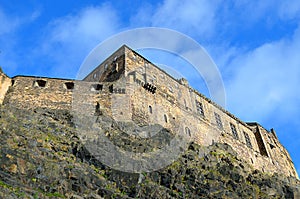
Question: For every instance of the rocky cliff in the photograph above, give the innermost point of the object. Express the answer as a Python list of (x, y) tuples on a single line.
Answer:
[(41, 156)]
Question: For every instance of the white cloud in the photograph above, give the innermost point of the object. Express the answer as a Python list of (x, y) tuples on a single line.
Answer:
[(69, 39), (8, 24), (266, 80), (192, 17), (289, 9), (10, 27)]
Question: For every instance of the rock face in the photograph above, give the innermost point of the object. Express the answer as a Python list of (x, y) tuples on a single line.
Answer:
[(41, 156)]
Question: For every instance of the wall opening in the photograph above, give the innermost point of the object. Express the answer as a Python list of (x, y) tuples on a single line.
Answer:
[(97, 109), (165, 118), (234, 132), (96, 87), (69, 85), (13, 82), (150, 88), (218, 121), (200, 108), (248, 141), (40, 83), (95, 75), (187, 131), (150, 109), (111, 88), (260, 143)]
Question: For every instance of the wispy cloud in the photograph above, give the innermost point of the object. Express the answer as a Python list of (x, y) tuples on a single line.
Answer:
[(191, 17), (70, 38), (266, 79), (8, 23)]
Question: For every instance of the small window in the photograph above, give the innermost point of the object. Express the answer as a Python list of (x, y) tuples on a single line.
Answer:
[(234, 132), (105, 67), (40, 83), (218, 121), (166, 118), (150, 109), (187, 131), (97, 109), (96, 87), (111, 88), (248, 141), (69, 85), (12, 82), (199, 108), (95, 75)]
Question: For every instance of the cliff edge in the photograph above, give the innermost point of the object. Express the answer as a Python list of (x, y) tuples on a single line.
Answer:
[(42, 157)]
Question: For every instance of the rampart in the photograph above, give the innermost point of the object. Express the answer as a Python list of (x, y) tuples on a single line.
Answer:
[(130, 88)]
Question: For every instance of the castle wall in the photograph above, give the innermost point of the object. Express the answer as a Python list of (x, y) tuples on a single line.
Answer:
[(109, 70), (34, 92), (5, 82), (175, 99)]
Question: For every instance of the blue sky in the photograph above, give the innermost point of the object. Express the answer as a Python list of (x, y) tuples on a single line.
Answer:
[(255, 45)]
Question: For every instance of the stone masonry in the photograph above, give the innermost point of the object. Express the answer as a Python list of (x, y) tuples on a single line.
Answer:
[(128, 87)]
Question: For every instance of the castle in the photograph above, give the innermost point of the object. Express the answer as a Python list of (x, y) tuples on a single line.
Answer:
[(130, 88)]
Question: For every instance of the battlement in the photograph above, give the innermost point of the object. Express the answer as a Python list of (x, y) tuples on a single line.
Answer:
[(129, 87)]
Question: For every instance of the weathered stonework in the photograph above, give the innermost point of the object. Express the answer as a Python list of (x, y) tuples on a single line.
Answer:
[(5, 83), (128, 87)]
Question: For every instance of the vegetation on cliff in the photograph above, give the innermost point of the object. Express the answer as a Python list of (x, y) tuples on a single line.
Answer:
[(42, 157)]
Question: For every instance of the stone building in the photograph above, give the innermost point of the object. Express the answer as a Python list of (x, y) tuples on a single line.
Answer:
[(128, 87)]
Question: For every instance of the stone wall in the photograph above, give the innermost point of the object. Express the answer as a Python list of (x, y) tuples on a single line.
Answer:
[(175, 100), (5, 82), (109, 70), (32, 92)]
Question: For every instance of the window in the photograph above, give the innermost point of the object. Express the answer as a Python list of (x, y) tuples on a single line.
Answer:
[(40, 83), (171, 89), (150, 109), (95, 75), (69, 85), (96, 87), (97, 109), (199, 108), (234, 132), (218, 121), (248, 141), (187, 131), (111, 88), (166, 118)]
